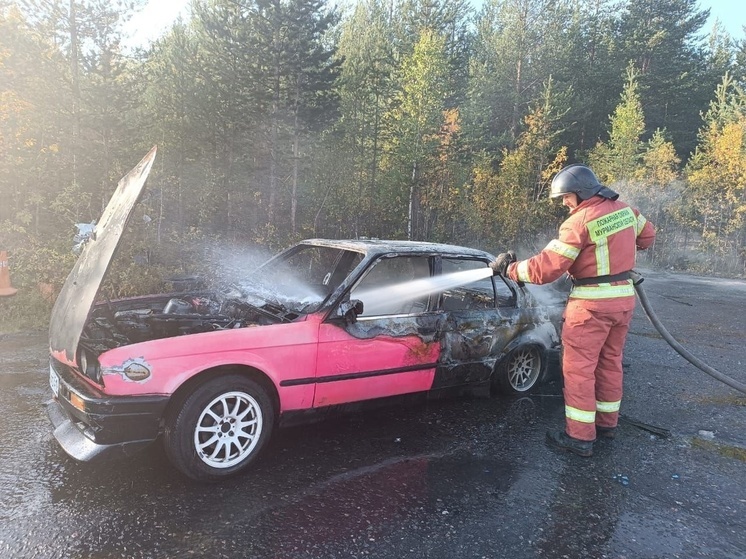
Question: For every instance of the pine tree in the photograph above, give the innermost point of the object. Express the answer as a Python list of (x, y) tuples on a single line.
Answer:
[(716, 175), (413, 124), (367, 55), (509, 200), (620, 158), (586, 68), (662, 38), (516, 46), (312, 74)]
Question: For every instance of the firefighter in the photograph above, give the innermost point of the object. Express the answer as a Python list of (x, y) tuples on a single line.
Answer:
[(596, 246)]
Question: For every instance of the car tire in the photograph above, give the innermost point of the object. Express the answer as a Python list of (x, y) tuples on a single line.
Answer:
[(205, 439), (520, 371)]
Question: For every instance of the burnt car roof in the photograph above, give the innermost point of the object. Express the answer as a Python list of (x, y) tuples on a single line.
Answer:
[(374, 247)]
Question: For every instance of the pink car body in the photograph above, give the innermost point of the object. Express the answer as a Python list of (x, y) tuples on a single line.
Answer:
[(212, 372)]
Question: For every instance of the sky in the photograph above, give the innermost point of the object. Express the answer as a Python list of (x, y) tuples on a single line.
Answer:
[(731, 13), (157, 16), (153, 20)]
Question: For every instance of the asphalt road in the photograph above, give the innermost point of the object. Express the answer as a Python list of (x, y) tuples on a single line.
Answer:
[(455, 478)]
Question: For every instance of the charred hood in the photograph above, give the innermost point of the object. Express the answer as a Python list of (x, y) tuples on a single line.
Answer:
[(73, 306)]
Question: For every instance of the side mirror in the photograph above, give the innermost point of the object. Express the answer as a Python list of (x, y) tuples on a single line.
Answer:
[(349, 310)]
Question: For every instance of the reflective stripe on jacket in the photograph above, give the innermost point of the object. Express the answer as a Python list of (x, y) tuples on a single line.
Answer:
[(599, 238)]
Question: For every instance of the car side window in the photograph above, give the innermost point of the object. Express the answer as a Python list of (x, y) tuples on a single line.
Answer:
[(480, 294), (394, 285), (505, 295)]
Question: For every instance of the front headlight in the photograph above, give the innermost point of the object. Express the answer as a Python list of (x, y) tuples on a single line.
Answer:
[(89, 365)]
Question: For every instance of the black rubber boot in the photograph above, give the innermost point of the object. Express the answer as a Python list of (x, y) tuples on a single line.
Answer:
[(563, 441), (606, 432)]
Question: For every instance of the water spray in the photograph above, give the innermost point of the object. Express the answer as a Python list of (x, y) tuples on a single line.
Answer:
[(414, 289)]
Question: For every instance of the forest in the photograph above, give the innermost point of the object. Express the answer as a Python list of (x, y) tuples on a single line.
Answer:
[(432, 120)]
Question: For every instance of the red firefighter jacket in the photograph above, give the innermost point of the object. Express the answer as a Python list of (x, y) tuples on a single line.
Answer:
[(600, 238)]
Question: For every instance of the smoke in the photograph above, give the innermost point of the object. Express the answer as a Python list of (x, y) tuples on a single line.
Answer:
[(227, 263), (235, 265), (552, 294), (649, 199)]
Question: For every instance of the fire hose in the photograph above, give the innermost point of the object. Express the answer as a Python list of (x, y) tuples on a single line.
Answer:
[(637, 280)]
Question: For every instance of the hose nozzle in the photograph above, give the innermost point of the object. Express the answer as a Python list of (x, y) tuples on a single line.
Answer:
[(637, 278)]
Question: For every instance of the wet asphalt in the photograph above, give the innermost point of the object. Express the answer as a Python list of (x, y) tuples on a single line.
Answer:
[(459, 477)]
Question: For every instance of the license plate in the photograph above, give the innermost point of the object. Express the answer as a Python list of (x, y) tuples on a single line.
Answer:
[(54, 383)]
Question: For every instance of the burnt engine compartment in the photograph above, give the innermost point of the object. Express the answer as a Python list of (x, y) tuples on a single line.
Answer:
[(127, 321)]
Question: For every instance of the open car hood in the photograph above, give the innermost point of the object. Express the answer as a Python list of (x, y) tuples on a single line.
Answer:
[(72, 307)]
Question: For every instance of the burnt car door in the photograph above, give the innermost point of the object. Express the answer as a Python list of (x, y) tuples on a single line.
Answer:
[(393, 346), (481, 318)]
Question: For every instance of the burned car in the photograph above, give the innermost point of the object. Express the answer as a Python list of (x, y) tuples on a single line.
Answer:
[(323, 324)]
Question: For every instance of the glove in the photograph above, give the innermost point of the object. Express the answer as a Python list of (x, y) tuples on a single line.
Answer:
[(500, 265)]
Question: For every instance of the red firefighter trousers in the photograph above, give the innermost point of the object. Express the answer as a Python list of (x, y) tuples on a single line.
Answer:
[(593, 343)]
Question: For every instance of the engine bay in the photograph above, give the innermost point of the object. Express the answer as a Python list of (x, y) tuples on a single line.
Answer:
[(128, 321)]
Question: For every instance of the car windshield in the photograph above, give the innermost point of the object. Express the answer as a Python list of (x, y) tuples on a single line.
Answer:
[(301, 279)]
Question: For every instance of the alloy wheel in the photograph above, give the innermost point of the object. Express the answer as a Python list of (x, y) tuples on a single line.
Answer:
[(228, 429)]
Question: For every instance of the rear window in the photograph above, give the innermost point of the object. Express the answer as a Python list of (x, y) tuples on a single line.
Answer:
[(479, 294)]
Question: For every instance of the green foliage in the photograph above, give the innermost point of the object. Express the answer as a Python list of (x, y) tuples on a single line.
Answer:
[(278, 119), (620, 159), (716, 173), (27, 310), (659, 162), (589, 69), (516, 47), (663, 38), (510, 203), (412, 126)]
